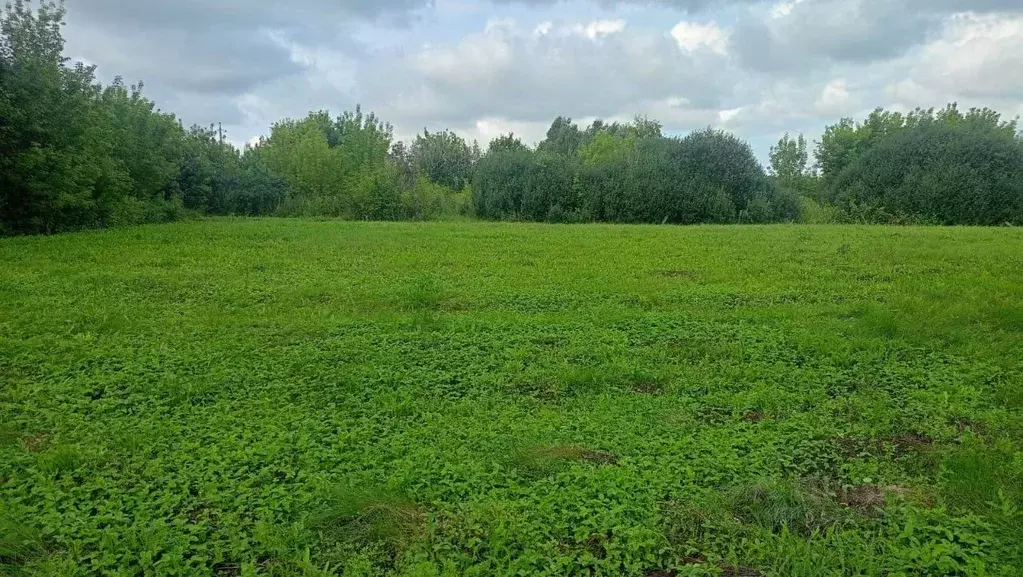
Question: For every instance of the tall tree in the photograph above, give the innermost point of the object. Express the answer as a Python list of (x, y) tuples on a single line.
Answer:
[(563, 137), (507, 142), (790, 165), (48, 141), (444, 157), (789, 158)]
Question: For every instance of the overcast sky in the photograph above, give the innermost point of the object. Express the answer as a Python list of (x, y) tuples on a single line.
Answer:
[(483, 68)]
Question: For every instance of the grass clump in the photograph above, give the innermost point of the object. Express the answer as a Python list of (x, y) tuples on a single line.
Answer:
[(978, 478), (778, 505), (19, 543), (61, 459), (545, 460), (369, 516)]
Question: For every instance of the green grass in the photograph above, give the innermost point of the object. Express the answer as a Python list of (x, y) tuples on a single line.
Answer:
[(288, 397)]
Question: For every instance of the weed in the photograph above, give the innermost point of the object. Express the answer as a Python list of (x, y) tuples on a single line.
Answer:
[(976, 477), (677, 273), (19, 543), (782, 505), (535, 462), (577, 381), (61, 459), (367, 515), (422, 294), (9, 434)]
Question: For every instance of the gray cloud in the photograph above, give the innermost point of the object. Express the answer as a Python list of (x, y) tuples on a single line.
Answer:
[(681, 5), (814, 33), (753, 66), (532, 76), (798, 36), (196, 14), (226, 62)]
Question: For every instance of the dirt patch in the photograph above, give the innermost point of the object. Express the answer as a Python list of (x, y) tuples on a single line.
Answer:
[(901, 445), (36, 443), (542, 461), (739, 571), (647, 387), (602, 457), (594, 545), (677, 273), (572, 453), (963, 424), (715, 415), (726, 570), (227, 569), (694, 560), (851, 447), (753, 417), (911, 443), (867, 499), (201, 513)]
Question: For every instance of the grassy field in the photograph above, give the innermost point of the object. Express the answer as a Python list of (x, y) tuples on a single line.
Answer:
[(286, 397)]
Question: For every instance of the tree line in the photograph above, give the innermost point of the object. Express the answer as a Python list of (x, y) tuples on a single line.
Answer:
[(75, 154)]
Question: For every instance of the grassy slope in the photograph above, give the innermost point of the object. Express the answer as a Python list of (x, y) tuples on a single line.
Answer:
[(482, 399)]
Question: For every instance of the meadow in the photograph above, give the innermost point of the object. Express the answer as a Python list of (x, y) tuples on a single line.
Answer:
[(313, 397)]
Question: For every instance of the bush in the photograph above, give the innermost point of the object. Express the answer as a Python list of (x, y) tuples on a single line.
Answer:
[(425, 200), (934, 172), (706, 177), (501, 182), (813, 212)]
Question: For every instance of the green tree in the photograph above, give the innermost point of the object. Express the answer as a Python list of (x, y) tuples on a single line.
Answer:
[(209, 172), (260, 191), (48, 142), (507, 142), (444, 157), (936, 171), (790, 166), (502, 180), (563, 137), (844, 142), (789, 159), (300, 153), (607, 147)]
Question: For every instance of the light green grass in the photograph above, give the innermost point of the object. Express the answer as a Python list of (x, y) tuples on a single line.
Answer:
[(291, 397)]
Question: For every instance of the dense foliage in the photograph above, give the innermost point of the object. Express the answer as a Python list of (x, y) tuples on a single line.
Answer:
[(938, 172), (927, 166), (75, 154), (628, 173), (285, 397)]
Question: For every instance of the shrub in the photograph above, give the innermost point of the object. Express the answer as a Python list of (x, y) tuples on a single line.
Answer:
[(935, 172)]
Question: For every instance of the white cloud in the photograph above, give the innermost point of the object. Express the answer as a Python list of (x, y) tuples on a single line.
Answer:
[(598, 28), (692, 36), (724, 116), (836, 100), (599, 68), (783, 9), (486, 129), (979, 56)]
